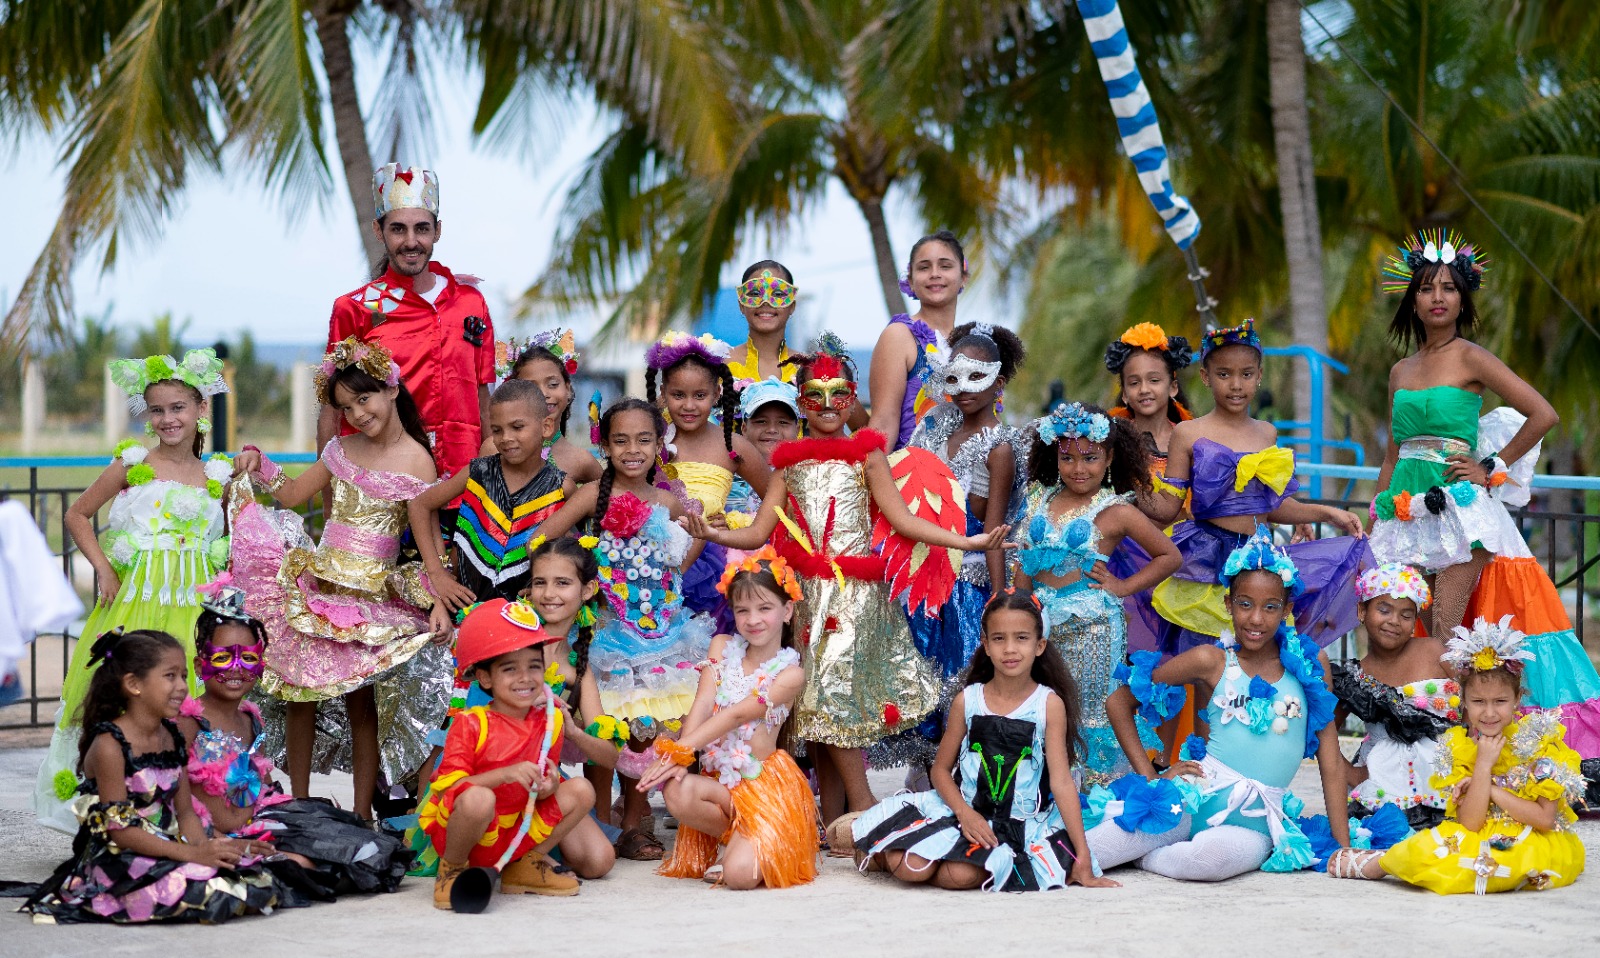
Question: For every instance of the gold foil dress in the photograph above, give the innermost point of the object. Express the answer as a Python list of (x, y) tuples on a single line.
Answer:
[(865, 680)]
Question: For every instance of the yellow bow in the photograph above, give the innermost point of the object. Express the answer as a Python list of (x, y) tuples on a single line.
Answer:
[(1274, 466)]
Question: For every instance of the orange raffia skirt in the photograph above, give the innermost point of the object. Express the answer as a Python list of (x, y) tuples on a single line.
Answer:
[(775, 813)]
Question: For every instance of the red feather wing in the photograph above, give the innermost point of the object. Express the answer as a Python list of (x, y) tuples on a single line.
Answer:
[(925, 574)]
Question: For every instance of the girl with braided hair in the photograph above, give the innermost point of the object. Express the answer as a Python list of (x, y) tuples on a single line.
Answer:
[(688, 376)]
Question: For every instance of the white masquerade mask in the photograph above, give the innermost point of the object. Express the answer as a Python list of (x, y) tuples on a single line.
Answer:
[(963, 374)]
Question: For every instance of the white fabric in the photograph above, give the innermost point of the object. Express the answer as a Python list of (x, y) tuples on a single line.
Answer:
[(1495, 429), (34, 596), (1248, 797), (1214, 854)]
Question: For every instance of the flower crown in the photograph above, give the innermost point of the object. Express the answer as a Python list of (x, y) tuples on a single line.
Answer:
[(1243, 334), (1394, 579), (774, 563), (676, 344), (1261, 554), (372, 358), (1486, 647), (1073, 421), (1434, 246), (1148, 336), (200, 369), (559, 343)]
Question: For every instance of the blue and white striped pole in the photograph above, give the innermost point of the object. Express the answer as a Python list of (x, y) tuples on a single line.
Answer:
[(1140, 130)]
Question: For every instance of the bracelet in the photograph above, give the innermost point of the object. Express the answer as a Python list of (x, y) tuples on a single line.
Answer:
[(1495, 471), (675, 751)]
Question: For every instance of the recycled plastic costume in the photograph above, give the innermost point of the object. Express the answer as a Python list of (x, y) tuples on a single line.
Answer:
[(104, 882), (494, 526), (1003, 777), (1240, 815), (1535, 763), (343, 614), (1175, 352), (1186, 610), (163, 539), (1403, 724), (921, 395), (1427, 520)]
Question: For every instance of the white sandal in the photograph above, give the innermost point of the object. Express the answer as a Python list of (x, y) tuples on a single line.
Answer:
[(1352, 863)]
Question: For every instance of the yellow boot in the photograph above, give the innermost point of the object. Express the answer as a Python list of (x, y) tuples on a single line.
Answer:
[(443, 881), (536, 874)]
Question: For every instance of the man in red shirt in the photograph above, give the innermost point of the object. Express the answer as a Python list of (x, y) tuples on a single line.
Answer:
[(436, 327)]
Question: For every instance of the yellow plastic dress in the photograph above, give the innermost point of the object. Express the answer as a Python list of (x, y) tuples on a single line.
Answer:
[(864, 677), (1504, 855)]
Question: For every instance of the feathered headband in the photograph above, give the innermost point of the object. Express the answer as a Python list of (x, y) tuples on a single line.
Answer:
[(1434, 246), (200, 369), (766, 559), (1243, 334), (1148, 336), (1393, 579), (558, 343), (675, 345), (1486, 647), (372, 358), (1261, 554), (1073, 421)]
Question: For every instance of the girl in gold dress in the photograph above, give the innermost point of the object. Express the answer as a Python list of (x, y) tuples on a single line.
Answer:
[(864, 678)]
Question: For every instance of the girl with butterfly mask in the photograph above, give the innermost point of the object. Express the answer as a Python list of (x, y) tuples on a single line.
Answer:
[(231, 784)]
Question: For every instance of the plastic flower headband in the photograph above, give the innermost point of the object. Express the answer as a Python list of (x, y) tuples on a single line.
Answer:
[(1393, 579), (200, 369), (1432, 246), (774, 563), (1261, 554), (675, 345), (1073, 421), (771, 389), (559, 343), (1243, 334), (1486, 647), (373, 359), (1148, 336)]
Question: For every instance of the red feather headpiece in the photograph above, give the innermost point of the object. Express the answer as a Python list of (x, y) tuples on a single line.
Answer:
[(825, 367)]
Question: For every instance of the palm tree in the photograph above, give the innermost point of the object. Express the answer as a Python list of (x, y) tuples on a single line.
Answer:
[(143, 91)]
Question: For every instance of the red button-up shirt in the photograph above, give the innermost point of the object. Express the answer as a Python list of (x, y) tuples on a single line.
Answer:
[(439, 364)]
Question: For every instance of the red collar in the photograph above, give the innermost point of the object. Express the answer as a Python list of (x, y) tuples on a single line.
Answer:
[(854, 448), (406, 283)]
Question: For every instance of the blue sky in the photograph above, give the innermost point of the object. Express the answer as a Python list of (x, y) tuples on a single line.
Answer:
[(233, 257)]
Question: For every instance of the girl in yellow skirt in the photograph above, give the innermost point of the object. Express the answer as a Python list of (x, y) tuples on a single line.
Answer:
[(1509, 781), (750, 796)]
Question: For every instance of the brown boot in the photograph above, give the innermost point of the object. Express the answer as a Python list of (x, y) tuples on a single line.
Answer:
[(443, 881), (536, 874)]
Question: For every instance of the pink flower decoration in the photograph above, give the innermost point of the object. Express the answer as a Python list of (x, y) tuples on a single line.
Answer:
[(191, 707), (625, 515)]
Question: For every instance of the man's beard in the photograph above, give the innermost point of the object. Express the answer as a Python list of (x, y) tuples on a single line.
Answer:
[(422, 267)]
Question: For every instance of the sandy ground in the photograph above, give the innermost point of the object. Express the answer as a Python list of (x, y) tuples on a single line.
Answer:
[(634, 912)]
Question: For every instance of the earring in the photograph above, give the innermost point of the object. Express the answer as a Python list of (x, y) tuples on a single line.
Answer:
[(149, 428), (999, 402), (202, 425)]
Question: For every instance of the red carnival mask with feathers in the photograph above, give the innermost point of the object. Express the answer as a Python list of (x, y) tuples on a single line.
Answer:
[(828, 387)]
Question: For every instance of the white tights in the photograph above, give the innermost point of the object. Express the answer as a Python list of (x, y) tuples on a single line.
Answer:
[(1111, 846), (1212, 855)]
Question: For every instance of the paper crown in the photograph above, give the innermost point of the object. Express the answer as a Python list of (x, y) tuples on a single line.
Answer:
[(413, 187), (493, 628), (1394, 579), (373, 359), (769, 390), (1486, 647), (1148, 336), (200, 369), (1073, 421), (675, 345), (1261, 554), (1243, 334), (764, 559), (1432, 246)]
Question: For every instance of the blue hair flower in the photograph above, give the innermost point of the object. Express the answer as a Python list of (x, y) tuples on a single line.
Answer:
[(1261, 554), (1073, 421)]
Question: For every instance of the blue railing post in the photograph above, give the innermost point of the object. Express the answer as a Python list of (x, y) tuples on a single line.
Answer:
[(1315, 439)]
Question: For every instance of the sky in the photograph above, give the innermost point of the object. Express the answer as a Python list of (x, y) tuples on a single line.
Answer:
[(232, 257)]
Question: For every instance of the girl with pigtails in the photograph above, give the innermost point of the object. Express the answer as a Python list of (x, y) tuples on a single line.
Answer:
[(646, 643), (688, 376)]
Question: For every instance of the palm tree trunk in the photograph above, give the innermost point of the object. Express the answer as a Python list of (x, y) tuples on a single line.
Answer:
[(349, 129), (1297, 194), (883, 254)]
